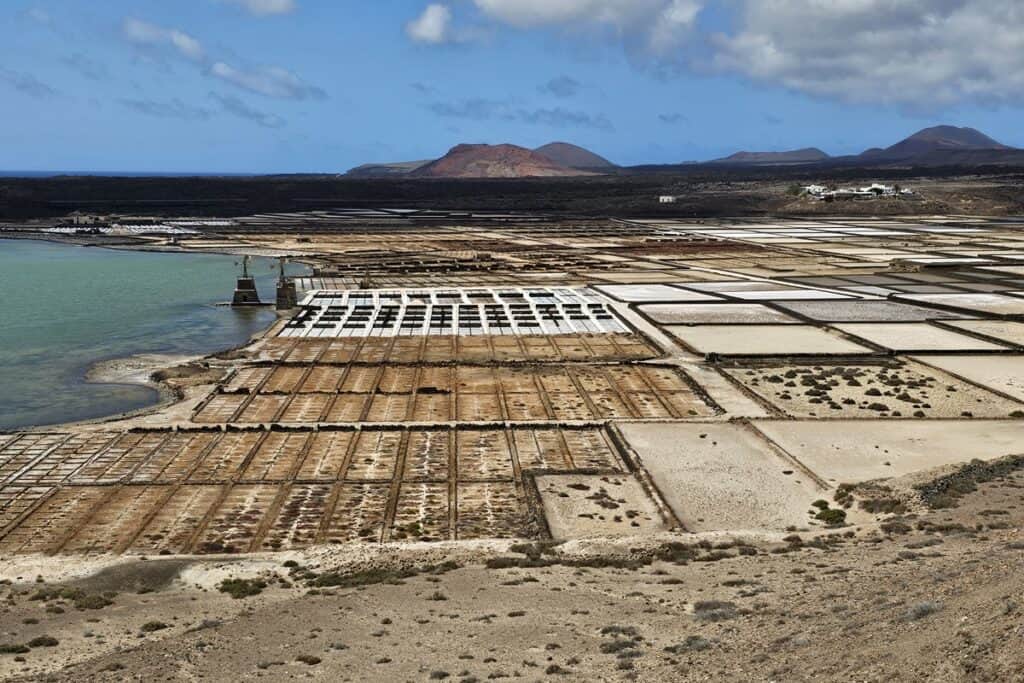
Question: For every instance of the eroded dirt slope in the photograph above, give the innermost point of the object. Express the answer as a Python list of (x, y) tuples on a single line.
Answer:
[(932, 596)]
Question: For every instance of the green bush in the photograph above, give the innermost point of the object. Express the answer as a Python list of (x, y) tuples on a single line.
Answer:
[(242, 588), (12, 649), (93, 602), (44, 641), (832, 517)]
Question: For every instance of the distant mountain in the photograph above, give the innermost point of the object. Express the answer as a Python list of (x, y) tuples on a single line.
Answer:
[(386, 170), (938, 139), (809, 155), (941, 146), (573, 156), (494, 161), (937, 146)]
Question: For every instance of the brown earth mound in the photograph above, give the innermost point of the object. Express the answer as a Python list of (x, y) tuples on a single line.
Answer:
[(573, 156), (493, 161)]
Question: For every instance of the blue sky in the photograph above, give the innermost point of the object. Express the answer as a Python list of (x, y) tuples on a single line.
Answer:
[(323, 85)]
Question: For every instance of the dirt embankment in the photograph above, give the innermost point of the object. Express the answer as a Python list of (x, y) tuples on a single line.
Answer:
[(934, 595)]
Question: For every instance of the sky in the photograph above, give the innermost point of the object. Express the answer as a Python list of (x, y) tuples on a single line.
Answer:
[(321, 86)]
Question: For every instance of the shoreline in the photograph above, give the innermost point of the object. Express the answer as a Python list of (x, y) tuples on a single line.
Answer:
[(142, 369), (138, 244), (139, 370)]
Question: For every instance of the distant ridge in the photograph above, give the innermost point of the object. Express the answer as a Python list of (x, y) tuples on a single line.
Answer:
[(386, 170), (807, 155), (930, 147), (573, 156), (938, 146), (494, 161), (937, 140)]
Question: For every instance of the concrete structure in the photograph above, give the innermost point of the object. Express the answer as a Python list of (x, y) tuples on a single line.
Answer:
[(245, 289), (287, 294)]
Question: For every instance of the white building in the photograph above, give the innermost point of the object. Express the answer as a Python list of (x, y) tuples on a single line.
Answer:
[(870, 192)]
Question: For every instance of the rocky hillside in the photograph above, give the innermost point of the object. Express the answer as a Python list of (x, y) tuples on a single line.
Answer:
[(574, 156), (494, 161)]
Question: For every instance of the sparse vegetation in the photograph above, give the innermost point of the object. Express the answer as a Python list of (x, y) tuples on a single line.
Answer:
[(267, 664), (921, 610), (242, 588), (691, 644), (376, 576), (87, 602), (13, 649), (945, 492), (714, 610), (832, 517)]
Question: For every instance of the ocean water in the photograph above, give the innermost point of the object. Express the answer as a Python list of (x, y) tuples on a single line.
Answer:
[(63, 308)]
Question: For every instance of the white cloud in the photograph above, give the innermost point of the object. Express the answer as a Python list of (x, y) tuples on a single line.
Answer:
[(659, 25), (272, 81), (656, 25), (916, 52), (144, 34), (265, 7), (920, 53), (528, 13), (673, 25), (432, 27)]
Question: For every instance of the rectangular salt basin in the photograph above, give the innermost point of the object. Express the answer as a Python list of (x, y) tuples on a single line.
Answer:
[(915, 337), (721, 477), (652, 292), (764, 340), (765, 291), (714, 313), (866, 311), (997, 304), (1004, 374), (842, 451), (1001, 330)]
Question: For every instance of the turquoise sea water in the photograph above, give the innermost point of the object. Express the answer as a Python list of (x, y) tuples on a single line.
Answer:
[(64, 307)]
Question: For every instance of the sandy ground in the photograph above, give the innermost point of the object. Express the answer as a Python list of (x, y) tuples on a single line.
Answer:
[(137, 370), (938, 597)]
